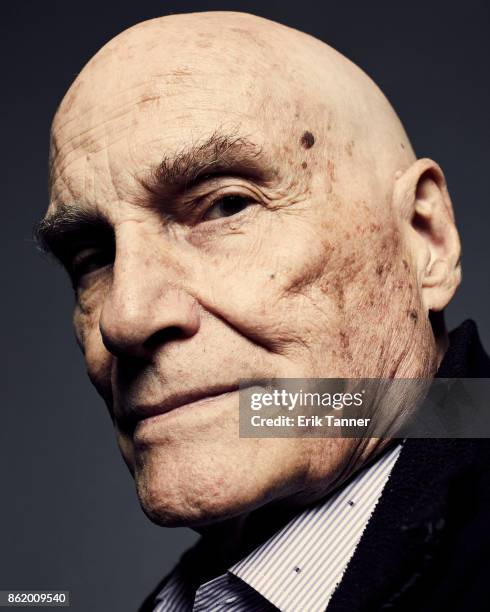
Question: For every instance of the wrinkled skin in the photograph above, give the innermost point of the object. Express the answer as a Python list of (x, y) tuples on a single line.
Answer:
[(328, 268)]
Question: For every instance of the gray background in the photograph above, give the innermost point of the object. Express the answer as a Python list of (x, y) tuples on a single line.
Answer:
[(69, 515)]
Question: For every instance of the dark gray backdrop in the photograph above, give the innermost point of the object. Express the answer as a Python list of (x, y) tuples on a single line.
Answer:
[(69, 515)]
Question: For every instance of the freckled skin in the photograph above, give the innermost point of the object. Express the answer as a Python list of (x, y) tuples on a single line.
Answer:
[(298, 284)]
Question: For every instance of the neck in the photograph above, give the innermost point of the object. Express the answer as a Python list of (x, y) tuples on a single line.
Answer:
[(234, 538)]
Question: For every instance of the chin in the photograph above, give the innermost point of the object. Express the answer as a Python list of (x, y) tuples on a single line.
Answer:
[(194, 491), (165, 511)]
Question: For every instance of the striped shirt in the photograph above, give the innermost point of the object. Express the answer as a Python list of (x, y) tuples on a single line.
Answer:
[(299, 568)]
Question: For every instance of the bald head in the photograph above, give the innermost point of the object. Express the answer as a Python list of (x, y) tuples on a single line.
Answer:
[(233, 200), (239, 69)]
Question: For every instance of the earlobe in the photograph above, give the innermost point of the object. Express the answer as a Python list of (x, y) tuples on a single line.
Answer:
[(425, 206)]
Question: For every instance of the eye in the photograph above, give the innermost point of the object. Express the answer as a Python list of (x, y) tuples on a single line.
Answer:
[(227, 206), (88, 261)]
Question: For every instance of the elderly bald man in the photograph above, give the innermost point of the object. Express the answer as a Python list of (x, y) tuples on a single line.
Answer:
[(235, 199)]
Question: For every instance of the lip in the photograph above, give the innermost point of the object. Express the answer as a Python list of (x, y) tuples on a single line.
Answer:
[(142, 412)]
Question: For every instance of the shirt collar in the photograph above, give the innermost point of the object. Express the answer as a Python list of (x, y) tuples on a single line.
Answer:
[(301, 565)]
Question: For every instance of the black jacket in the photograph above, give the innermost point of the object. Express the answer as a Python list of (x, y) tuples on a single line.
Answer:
[(427, 545)]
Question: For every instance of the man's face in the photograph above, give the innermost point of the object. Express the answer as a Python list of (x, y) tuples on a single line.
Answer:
[(216, 229)]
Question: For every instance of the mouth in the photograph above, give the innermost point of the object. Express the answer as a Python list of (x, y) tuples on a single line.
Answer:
[(176, 401)]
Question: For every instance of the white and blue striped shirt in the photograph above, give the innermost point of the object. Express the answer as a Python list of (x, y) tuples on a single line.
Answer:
[(299, 568)]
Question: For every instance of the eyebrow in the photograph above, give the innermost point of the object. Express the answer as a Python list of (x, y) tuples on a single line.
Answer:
[(220, 154), (70, 228)]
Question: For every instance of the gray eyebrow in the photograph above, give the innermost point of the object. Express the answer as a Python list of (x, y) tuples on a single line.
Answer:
[(218, 154), (52, 234)]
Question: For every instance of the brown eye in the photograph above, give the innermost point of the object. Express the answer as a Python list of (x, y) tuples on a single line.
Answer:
[(226, 207)]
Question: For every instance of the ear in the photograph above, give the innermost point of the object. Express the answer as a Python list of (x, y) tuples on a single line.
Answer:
[(422, 199)]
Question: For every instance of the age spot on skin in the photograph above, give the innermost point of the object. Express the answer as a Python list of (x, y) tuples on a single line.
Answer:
[(307, 140), (413, 315), (344, 340), (304, 165)]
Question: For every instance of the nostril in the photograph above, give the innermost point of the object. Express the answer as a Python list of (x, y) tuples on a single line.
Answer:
[(163, 336)]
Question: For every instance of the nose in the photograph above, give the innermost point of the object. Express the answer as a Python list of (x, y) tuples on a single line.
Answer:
[(145, 306)]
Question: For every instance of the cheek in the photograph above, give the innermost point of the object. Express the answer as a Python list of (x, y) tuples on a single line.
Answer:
[(97, 359), (262, 282), (384, 331)]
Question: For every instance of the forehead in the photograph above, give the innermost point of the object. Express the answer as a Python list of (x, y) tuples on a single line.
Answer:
[(132, 106)]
